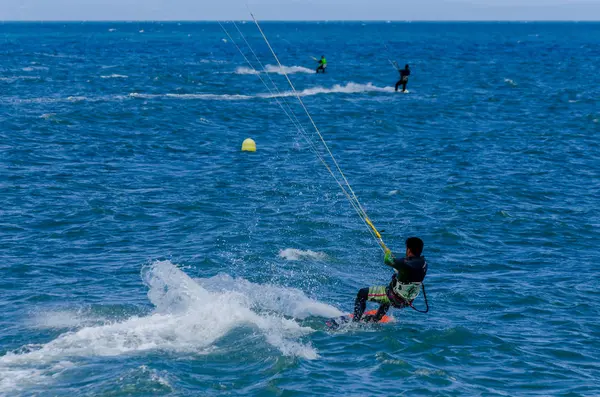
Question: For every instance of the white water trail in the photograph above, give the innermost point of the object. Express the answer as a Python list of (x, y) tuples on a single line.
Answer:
[(189, 316), (293, 254), (275, 69), (349, 88)]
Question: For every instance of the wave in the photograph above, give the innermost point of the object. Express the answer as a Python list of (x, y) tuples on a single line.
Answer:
[(67, 319), (189, 316), (245, 70), (71, 99), (349, 88), (293, 254), (275, 69), (214, 97), (217, 61), (48, 116), (114, 76), (290, 302), (12, 79)]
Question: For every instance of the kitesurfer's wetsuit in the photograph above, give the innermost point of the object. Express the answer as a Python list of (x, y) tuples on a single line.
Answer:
[(404, 73), (402, 290), (322, 65)]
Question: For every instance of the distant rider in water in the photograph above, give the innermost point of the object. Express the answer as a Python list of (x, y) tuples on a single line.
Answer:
[(405, 286), (404, 73), (322, 64)]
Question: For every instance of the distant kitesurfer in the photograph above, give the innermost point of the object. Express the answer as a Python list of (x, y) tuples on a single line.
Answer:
[(404, 73), (405, 286), (322, 64)]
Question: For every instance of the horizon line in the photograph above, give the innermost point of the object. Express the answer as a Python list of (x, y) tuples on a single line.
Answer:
[(302, 20)]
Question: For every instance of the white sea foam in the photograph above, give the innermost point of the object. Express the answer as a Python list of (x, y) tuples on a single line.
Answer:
[(287, 301), (218, 61), (245, 70), (15, 379), (78, 98), (275, 69), (66, 319), (293, 254), (154, 376), (510, 82), (189, 316), (214, 97), (114, 76), (349, 88), (223, 97), (107, 98), (12, 79), (143, 96)]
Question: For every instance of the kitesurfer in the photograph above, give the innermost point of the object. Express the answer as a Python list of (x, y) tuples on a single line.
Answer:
[(322, 64), (409, 273), (404, 73)]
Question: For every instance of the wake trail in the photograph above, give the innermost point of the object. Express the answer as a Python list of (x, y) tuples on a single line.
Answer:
[(275, 69), (189, 316)]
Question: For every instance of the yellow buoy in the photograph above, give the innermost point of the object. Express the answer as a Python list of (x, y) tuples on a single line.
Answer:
[(248, 145)]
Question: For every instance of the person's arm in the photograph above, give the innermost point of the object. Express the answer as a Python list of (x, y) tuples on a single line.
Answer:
[(392, 262), (388, 258)]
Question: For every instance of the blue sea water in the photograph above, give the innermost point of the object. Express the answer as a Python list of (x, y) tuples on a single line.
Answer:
[(144, 254)]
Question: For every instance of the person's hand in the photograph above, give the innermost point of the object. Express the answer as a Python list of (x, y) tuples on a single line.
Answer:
[(387, 255)]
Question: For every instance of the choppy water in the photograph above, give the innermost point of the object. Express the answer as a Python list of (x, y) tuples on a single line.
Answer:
[(144, 254)]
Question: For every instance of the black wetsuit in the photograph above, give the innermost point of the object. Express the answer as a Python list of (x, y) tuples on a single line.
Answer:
[(404, 73), (407, 271)]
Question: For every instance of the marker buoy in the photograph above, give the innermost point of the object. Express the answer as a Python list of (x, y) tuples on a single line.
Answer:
[(248, 145)]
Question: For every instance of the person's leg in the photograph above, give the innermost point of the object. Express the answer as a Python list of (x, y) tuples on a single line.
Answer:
[(375, 318), (360, 303), (381, 311), (404, 86), (398, 84), (374, 294)]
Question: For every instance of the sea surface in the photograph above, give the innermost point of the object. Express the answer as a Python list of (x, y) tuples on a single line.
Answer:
[(143, 254)]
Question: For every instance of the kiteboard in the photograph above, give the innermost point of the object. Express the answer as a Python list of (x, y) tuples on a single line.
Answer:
[(337, 321)]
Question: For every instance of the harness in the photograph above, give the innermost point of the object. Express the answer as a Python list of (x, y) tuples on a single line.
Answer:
[(402, 295)]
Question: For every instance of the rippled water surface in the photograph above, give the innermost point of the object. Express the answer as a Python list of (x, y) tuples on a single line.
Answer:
[(144, 254)]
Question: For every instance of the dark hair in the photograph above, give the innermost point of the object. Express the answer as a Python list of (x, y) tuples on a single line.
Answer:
[(406, 67), (415, 245)]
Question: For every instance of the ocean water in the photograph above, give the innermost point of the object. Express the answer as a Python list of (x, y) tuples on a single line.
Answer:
[(144, 254)]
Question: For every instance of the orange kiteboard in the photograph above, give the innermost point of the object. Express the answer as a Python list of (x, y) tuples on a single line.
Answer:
[(337, 321)]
